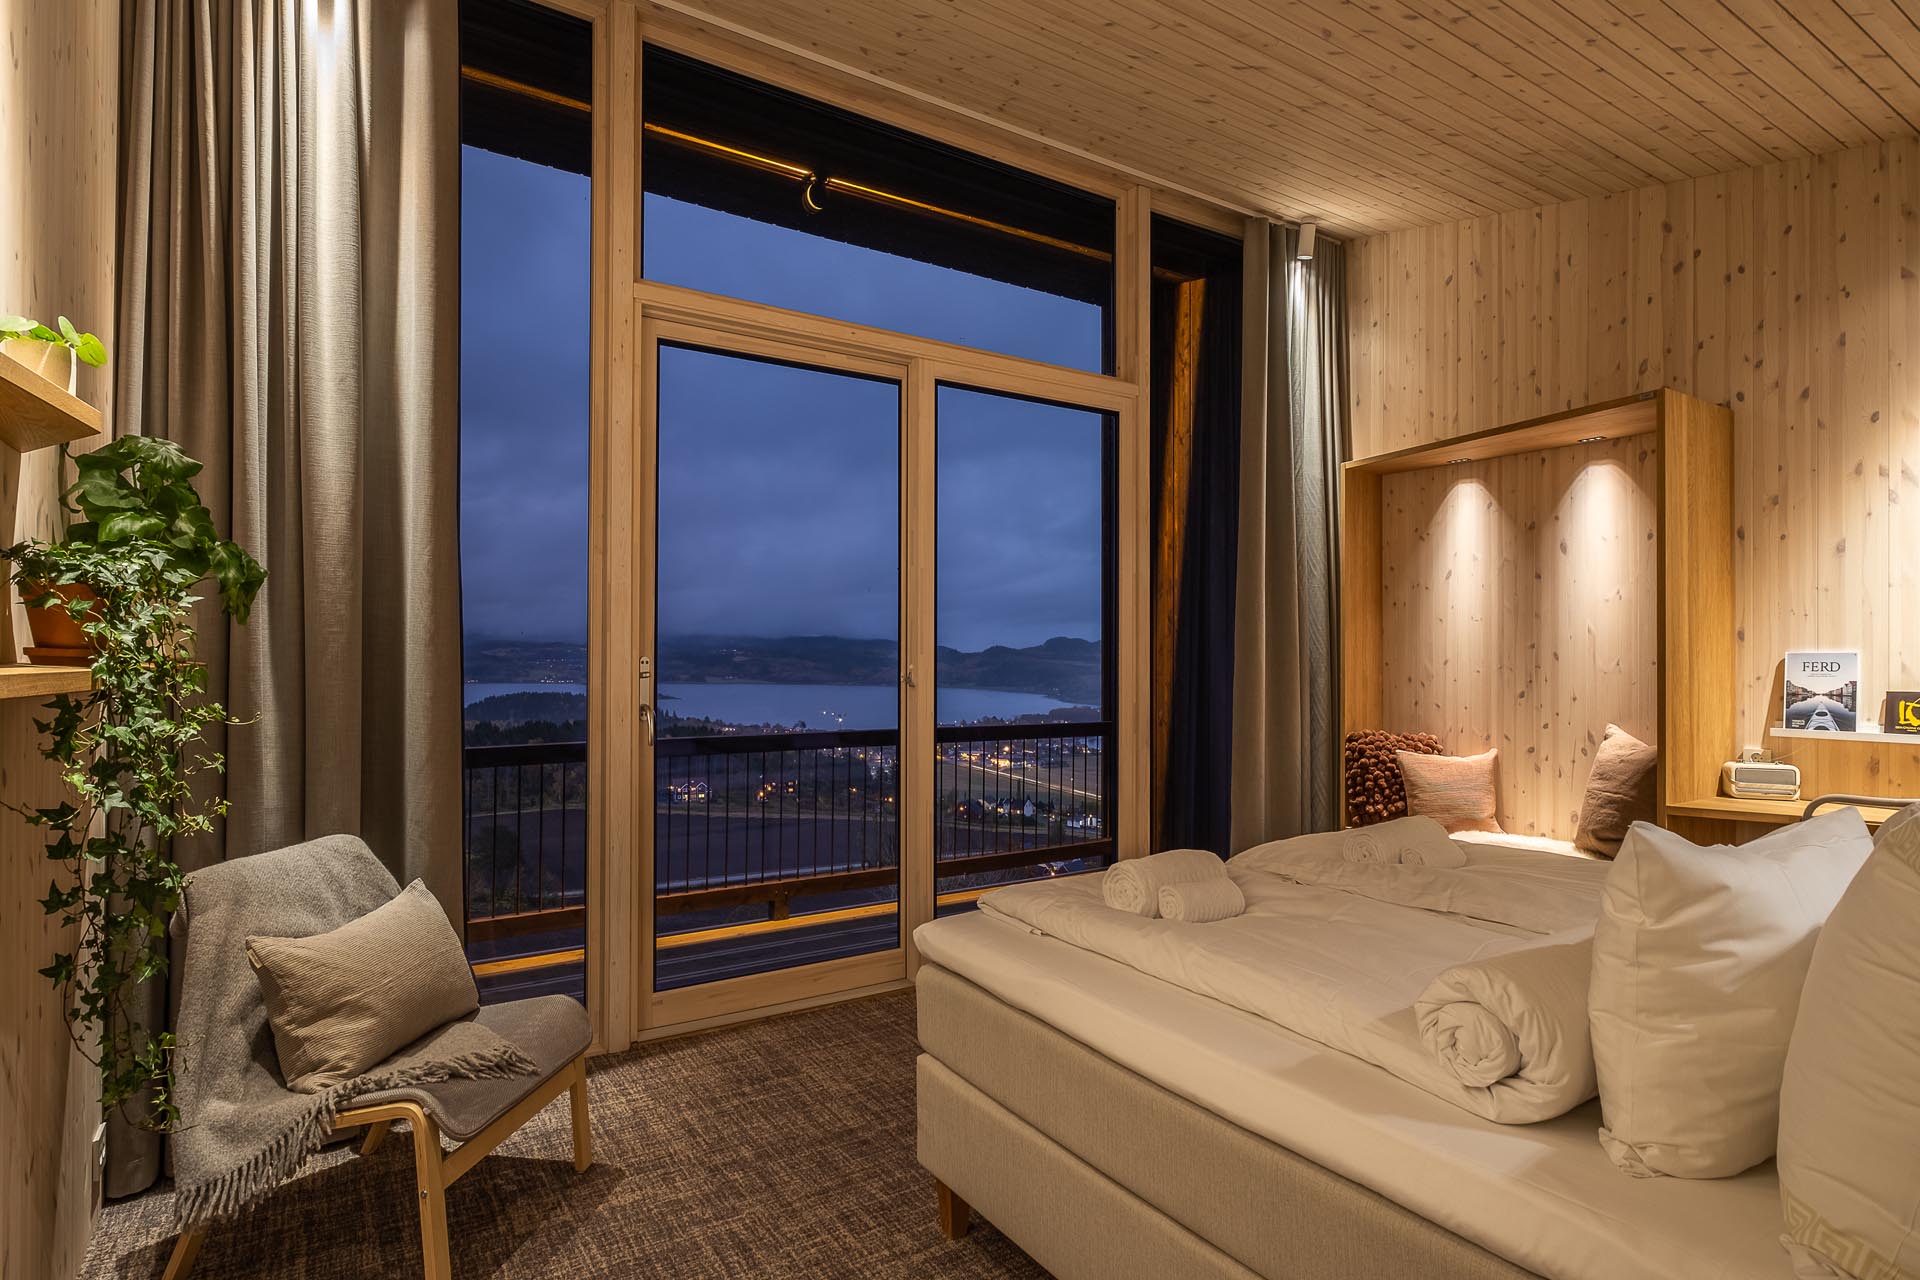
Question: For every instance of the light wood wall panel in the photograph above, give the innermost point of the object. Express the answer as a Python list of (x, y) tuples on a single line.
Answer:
[(1518, 611), (58, 129), (1790, 292)]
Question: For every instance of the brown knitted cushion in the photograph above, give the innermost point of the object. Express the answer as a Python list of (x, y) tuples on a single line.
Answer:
[(1375, 791)]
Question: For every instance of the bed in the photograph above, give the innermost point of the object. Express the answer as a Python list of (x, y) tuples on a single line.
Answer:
[(1117, 1125)]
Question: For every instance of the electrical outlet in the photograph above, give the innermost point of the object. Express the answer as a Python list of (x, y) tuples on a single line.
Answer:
[(1755, 755)]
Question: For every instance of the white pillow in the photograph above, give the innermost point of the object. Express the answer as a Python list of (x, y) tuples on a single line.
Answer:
[(1849, 1111), (1698, 959)]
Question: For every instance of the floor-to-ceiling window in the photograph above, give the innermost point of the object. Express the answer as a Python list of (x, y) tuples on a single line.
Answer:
[(782, 814), (525, 383)]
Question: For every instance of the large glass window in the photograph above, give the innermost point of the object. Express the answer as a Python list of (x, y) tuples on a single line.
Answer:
[(759, 194), (1024, 569), (524, 406)]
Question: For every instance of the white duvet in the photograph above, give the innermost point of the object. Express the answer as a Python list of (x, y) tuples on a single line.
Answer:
[(1342, 952)]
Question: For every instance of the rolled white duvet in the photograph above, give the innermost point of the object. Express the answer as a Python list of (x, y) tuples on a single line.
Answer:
[(1201, 901), (1134, 885), (1516, 1025)]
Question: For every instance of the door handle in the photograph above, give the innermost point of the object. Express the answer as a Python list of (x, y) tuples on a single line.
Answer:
[(647, 709)]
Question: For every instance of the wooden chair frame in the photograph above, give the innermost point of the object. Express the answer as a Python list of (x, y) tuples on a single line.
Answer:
[(434, 1169)]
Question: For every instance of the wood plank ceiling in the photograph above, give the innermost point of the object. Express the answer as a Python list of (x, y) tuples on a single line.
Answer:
[(1375, 115)]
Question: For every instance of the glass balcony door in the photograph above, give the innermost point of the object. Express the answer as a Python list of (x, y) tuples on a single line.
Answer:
[(772, 692)]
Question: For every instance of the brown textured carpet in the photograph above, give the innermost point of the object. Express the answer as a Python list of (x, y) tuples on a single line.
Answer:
[(779, 1149)]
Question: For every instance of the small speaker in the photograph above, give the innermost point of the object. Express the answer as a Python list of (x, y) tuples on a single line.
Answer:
[(1760, 780)]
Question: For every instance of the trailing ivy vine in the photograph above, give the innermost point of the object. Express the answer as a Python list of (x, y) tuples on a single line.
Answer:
[(129, 750)]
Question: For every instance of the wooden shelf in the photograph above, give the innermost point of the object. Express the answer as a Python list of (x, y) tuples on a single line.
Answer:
[(1776, 813), (1609, 420), (24, 680), (36, 414), (1828, 735)]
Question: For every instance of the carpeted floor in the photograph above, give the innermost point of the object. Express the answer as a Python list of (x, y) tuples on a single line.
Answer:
[(779, 1149)]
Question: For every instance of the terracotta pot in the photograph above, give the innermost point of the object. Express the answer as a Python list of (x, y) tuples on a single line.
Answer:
[(57, 638)]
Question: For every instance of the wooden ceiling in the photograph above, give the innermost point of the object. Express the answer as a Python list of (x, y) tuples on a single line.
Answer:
[(1373, 115)]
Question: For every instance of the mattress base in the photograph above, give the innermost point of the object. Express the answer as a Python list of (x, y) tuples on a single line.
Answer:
[(1072, 1220), (1033, 1095)]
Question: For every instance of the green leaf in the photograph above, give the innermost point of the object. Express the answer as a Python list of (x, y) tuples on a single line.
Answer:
[(15, 326), (91, 350), (68, 332)]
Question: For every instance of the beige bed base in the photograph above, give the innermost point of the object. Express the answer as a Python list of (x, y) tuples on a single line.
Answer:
[(1101, 1174)]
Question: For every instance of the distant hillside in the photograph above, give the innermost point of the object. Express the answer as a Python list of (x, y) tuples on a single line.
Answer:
[(1061, 668)]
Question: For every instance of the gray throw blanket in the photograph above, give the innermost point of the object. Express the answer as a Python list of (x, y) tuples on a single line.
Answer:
[(242, 1133)]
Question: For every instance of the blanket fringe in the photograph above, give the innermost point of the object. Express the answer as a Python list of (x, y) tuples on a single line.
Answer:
[(239, 1187)]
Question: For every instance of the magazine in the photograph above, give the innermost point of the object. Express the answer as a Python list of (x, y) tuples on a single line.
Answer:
[(1822, 690)]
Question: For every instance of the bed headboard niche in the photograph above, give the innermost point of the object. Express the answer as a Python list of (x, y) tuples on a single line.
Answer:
[(1520, 587)]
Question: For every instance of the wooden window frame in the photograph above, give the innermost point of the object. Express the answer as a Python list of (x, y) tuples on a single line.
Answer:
[(619, 900)]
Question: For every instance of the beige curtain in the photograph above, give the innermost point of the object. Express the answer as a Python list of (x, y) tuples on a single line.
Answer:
[(289, 310), (1286, 661)]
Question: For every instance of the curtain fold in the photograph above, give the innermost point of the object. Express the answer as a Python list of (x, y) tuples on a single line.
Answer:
[(289, 315), (1292, 430)]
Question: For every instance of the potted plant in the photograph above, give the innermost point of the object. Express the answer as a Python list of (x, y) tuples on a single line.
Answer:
[(130, 749), (54, 355)]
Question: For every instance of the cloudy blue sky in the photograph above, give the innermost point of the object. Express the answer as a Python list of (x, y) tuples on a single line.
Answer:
[(779, 494)]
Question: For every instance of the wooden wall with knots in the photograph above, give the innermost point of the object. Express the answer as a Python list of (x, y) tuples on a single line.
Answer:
[(58, 133), (1790, 292)]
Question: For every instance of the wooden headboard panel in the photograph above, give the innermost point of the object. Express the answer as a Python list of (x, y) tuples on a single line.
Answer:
[(1519, 610), (1521, 586)]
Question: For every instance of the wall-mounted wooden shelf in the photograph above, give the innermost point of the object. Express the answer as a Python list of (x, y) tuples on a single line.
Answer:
[(1772, 813), (24, 680), (1828, 735), (37, 414)]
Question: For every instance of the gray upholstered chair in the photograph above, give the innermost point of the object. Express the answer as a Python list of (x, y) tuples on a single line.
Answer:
[(309, 889)]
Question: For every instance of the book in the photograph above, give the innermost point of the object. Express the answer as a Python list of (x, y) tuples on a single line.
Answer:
[(1901, 713), (1821, 690)]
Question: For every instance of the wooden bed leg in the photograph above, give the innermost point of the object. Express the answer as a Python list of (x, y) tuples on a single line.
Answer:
[(185, 1250), (375, 1135), (956, 1219)]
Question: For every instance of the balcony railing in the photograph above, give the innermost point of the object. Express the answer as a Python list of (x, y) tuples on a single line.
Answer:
[(524, 822), (756, 822)]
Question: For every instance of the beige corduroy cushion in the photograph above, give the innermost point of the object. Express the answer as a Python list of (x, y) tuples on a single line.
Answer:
[(346, 1000), (1455, 791)]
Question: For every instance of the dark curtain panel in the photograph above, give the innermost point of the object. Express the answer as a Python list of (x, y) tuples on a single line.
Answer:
[(1196, 397)]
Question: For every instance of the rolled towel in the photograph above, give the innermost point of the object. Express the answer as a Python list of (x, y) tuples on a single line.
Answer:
[(1134, 885), (1516, 1022), (1422, 842), (1363, 846), (1201, 901)]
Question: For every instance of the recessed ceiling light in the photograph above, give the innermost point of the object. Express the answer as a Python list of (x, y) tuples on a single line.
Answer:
[(1454, 462), (1591, 439)]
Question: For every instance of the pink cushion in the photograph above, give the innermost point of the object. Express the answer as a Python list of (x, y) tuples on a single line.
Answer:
[(1455, 791)]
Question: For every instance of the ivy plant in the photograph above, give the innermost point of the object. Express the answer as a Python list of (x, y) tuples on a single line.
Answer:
[(130, 749), (87, 348)]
